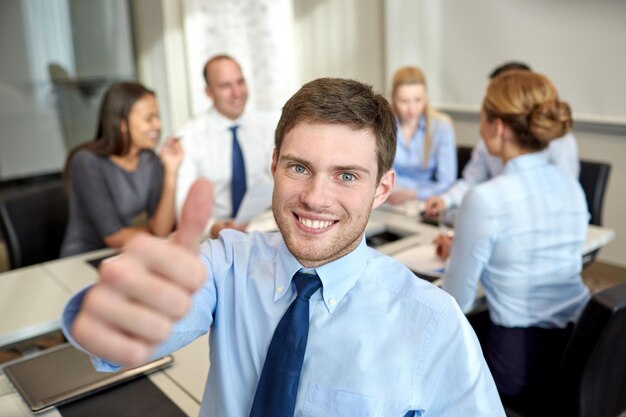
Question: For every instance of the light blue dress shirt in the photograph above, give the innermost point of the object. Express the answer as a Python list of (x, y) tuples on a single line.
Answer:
[(381, 341), (562, 153), (440, 172), (520, 234)]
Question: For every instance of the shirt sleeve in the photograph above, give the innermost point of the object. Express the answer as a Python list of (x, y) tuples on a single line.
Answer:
[(471, 249), (475, 172), (90, 190), (445, 160), (563, 153)]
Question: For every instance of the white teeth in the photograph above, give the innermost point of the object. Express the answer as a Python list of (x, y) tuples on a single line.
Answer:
[(314, 224)]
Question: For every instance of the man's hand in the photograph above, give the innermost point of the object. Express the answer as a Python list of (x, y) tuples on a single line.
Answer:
[(144, 290), (433, 206), (226, 224), (401, 196)]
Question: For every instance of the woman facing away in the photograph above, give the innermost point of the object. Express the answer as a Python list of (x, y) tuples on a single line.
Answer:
[(425, 161), (520, 235), (117, 185)]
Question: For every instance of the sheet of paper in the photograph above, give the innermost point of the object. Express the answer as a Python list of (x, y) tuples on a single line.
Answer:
[(421, 259), (256, 200), (411, 208), (264, 222)]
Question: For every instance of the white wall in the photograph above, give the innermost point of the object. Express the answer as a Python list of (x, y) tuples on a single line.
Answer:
[(579, 43), (340, 38)]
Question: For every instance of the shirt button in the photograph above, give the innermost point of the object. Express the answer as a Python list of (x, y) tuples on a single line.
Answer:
[(332, 302), (280, 290)]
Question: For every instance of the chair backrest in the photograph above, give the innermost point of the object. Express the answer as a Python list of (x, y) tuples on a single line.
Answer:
[(463, 155), (594, 177), (32, 222), (594, 363)]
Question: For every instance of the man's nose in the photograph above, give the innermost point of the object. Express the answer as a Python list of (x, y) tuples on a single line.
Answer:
[(317, 193)]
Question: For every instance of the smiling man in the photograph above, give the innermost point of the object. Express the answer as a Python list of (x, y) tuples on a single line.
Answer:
[(306, 322), (224, 144)]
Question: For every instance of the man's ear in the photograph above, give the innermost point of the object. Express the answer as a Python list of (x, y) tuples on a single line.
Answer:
[(274, 162), (208, 92), (384, 188)]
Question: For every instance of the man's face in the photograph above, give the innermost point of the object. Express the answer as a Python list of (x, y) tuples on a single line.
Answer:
[(227, 88), (325, 188)]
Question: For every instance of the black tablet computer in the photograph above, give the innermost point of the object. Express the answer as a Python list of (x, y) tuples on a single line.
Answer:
[(63, 374)]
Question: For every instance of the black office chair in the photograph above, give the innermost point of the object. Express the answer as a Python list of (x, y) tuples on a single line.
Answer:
[(32, 222), (594, 178), (463, 155), (593, 369)]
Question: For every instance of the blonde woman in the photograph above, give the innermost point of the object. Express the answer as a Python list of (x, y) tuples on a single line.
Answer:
[(425, 160), (520, 234)]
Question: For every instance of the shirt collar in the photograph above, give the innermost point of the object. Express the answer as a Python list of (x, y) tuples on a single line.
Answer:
[(337, 277), (421, 126), (527, 161), (222, 121)]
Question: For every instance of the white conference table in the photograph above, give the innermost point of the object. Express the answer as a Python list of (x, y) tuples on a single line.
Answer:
[(32, 299), (417, 251)]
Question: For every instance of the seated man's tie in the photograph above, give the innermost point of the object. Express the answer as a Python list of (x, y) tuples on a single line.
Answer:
[(278, 386), (238, 179)]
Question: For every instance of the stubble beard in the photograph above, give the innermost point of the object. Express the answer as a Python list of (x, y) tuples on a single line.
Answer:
[(310, 254)]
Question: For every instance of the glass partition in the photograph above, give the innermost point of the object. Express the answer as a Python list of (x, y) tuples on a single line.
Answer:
[(58, 56)]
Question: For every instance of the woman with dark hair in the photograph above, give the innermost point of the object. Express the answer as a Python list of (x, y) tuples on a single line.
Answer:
[(520, 235), (425, 160), (117, 185)]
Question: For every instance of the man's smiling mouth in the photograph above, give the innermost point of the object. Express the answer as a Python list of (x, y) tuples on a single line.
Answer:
[(314, 224)]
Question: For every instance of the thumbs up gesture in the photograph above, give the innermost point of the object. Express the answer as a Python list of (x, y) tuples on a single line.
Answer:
[(144, 290)]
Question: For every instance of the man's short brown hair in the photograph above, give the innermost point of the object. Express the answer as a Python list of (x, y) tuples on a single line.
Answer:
[(344, 102)]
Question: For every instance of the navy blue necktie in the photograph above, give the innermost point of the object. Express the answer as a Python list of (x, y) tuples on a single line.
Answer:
[(278, 386), (238, 179)]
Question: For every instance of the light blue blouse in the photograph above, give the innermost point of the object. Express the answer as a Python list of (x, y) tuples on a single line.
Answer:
[(381, 341), (440, 172), (521, 234), (562, 153)]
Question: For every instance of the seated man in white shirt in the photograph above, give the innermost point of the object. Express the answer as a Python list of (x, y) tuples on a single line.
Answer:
[(208, 143), (562, 152)]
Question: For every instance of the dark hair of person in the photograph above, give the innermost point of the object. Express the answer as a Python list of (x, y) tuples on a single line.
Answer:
[(343, 102), (508, 66), (116, 105), (211, 61), (529, 104)]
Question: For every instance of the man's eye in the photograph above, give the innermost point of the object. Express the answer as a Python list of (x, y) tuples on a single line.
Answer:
[(346, 176), (299, 169)]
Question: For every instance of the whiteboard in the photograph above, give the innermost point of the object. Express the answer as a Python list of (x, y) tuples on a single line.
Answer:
[(579, 44), (258, 34)]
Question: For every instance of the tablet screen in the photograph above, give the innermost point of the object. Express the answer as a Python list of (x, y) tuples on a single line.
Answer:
[(63, 373)]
